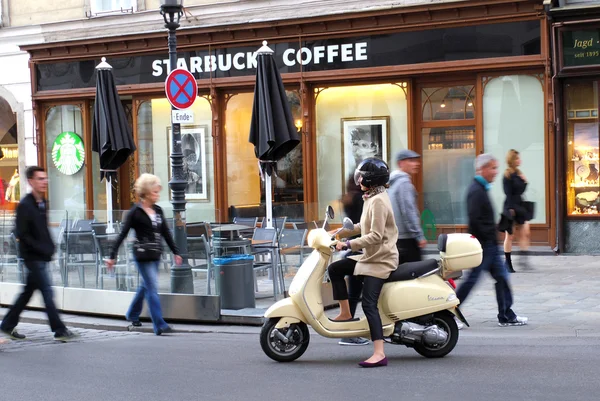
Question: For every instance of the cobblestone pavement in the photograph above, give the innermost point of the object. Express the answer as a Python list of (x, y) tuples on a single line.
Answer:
[(39, 335)]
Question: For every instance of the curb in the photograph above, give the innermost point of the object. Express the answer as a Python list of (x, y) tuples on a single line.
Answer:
[(147, 328)]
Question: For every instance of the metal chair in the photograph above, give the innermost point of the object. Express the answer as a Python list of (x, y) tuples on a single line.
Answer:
[(11, 256), (266, 256), (293, 243), (303, 226), (77, 249), (278, 222), (246, 221), (199, 250), (125, 280)]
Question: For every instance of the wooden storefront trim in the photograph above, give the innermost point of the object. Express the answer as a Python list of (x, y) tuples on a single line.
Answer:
[(473, 12), (355, 75)]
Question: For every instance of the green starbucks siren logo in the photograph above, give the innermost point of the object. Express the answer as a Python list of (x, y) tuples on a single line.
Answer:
[(68, 153)]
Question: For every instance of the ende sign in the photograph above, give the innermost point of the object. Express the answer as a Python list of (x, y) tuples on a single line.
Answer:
[(68, 153), (345, 53)]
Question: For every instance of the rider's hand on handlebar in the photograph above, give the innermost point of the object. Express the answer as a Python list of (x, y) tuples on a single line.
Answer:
[(341, 246)]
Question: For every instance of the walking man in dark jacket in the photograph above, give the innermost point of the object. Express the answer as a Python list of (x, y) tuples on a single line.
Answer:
[(482, 225), (36, 248)]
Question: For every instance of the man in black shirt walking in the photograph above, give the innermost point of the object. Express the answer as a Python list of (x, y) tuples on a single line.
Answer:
[(36, 248), (482, 225)]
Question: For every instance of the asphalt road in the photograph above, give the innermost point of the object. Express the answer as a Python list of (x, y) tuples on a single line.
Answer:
[(143, 367)]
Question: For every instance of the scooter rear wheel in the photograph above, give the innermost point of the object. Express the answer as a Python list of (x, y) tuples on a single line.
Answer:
[(445, 321), (297, 336)]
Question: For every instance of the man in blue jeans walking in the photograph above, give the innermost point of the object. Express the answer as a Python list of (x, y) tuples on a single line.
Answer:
[(36, 248), (483, 226)]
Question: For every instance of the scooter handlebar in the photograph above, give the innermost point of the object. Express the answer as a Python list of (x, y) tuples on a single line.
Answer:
[(334, 243)]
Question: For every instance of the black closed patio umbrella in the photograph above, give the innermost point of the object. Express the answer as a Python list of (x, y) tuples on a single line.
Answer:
[(111, 136), (272, 129)]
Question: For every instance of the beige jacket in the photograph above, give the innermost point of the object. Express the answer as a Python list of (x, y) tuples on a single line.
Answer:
[(379, 233)]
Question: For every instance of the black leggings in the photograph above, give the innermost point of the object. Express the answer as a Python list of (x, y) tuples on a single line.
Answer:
[(371, 289)]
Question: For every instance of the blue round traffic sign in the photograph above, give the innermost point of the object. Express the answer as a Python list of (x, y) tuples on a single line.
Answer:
[(181, 88)]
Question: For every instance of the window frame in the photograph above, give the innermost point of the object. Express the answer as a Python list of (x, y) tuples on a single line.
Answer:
[(95, 7)]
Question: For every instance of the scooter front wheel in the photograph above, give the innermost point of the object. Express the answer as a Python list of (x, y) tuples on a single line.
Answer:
[(286, 344)]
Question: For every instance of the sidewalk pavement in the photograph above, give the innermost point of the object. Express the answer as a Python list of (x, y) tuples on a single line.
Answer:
[(561, 298)]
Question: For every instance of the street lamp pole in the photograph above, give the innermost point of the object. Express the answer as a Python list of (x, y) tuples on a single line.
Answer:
[(181, 276)]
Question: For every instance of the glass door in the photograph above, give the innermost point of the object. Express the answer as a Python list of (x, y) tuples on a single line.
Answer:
[(448, 150)]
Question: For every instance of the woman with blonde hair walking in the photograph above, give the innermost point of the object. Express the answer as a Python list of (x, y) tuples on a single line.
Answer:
[(148, 221), (515, 183)]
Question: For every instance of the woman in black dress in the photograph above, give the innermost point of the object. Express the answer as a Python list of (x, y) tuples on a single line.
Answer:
[(515, 183)]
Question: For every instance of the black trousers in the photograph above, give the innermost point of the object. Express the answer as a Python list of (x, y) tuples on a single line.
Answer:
[(371, 290), (37, 279), (409, 250)]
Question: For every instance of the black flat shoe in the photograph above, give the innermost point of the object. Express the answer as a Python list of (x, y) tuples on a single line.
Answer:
[(354, 319), (136, 323), (164, 330)]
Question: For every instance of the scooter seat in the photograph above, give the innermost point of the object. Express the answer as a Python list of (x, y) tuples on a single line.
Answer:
[(412, 270)]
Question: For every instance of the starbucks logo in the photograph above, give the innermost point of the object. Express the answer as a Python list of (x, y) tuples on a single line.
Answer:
[(68, 153)]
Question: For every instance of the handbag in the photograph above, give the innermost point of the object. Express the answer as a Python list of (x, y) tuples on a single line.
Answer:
[(529, 210), (147, 251)]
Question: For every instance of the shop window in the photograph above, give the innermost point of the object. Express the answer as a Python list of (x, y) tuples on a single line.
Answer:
[(455, 103), (65, 155), (582, 148), (513, 118), (245, 190), (154, 150), (448, 146), (10, 182), (355, 122)]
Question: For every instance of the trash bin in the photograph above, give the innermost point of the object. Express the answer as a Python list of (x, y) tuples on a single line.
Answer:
[(236, 281)]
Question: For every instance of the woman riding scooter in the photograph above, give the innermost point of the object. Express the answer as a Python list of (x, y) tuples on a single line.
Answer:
[(380, 255)]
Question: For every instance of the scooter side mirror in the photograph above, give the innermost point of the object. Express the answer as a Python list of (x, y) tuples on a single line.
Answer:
[(330, 213), (347, 224)]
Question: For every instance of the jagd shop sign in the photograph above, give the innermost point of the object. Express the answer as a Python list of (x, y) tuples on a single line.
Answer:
[(581, 48)]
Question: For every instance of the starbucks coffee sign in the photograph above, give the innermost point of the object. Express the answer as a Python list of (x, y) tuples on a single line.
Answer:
[(68, 153)]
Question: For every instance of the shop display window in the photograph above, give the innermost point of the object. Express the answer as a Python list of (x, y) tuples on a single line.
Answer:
[(154, 151), (10, 181), (583, 148), (353, 123), (513, 118), (65, 156)]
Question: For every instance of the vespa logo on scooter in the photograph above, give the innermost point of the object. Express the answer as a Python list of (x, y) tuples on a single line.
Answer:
[(430, 298)]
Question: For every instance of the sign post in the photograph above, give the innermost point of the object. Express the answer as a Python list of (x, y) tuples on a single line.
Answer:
[(181, 90)]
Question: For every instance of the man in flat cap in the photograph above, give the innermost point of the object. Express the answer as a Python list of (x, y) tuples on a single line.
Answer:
[(404, 202)]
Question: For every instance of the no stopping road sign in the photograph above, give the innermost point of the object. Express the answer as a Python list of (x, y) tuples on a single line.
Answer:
[(181, 88)]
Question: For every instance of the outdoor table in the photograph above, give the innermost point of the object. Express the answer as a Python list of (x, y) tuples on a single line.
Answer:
[(232, 229)]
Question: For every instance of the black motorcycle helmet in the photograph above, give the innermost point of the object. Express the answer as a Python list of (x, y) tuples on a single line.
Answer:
[(372, 172)]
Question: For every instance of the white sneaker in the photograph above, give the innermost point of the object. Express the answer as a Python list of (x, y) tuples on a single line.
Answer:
[(460, 324), (519, 321)]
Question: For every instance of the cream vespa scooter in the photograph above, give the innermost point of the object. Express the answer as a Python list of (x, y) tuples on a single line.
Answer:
[(417, 306)]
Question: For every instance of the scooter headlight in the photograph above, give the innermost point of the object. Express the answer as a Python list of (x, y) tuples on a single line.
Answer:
[(451, 297)]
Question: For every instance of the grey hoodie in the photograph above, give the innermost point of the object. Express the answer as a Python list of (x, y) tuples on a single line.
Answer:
[(404, 202)]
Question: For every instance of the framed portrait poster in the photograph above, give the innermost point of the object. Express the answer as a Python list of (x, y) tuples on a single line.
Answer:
[(363, 137), (193, 147)]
